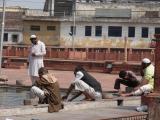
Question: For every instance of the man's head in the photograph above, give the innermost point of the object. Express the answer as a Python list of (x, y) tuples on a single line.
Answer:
[(122, 74), (145, 63), (78, 68), (42, 71), (33, 39)]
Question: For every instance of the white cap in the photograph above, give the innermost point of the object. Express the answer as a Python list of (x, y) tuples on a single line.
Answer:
[(33, 36), (146, 60)]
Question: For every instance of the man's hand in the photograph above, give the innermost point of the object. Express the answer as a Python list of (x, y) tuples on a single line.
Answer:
[(64, 97), (46, 93), (136, 88), (33, 54), (70, 100)]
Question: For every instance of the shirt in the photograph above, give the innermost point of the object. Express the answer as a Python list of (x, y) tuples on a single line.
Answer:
[(148, 74), (131, 76), (36, 62), (88, 79)]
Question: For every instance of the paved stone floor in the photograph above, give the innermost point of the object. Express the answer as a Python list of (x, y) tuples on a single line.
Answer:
[(64, 78), (87, 114)]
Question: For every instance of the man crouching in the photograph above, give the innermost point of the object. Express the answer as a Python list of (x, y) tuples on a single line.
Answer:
[(47, 89), (85, 84)]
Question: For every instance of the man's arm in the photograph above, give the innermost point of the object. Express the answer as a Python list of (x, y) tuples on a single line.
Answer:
[(131, 75), (43, 50), (78, 76), (75, 96), (143, 82), (68, 92)]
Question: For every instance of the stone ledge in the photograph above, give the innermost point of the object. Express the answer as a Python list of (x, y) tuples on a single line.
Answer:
[(68, 106)]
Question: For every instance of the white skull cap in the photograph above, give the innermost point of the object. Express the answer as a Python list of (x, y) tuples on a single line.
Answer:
[(146, 60), (33, 36)]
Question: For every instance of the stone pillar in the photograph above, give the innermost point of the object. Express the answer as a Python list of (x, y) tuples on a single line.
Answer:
[(125, 50), (153, 99), (157, 64)]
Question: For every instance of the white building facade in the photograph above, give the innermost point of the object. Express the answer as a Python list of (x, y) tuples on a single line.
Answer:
[(108, 25), (106, 35)]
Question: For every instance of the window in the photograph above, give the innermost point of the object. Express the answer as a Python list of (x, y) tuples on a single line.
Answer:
[(71, 29), (131, 31), (157, 30), (98, 31), (88, 30), (144, 32), (35, 28), (14, 38), (5, 39), (114, 31), (51, 28)]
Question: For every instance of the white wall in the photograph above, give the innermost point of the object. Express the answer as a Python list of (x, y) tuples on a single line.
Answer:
[(80, 29), (80, 32), (20, 37)]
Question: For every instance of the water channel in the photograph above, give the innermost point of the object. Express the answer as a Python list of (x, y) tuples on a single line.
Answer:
[(13, 96)]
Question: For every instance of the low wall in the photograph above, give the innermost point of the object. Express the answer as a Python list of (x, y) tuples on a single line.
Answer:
[(95, 54), (109, 60)]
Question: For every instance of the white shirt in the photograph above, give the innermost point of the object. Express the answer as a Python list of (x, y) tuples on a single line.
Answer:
[(79, 75), (36, 62)]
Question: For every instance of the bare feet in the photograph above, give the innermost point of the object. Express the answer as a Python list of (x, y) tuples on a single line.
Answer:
[(88, 99)]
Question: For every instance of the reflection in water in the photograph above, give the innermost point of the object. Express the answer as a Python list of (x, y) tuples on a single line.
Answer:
[(10, 97)]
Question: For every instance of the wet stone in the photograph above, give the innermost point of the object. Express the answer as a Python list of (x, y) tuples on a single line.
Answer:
[(30, 102)]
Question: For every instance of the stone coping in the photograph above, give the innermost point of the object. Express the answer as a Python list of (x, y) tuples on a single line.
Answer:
[(68, 106)]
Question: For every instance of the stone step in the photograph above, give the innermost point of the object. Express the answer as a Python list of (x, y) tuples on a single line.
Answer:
[(16, 65), (68, 106)]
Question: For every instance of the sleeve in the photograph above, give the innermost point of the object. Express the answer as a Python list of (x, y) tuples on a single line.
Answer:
[(42, 51), (147, 75), (78, 76)]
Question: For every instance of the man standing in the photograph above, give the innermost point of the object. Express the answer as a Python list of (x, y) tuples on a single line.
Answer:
[(85, 84), (37, 51)]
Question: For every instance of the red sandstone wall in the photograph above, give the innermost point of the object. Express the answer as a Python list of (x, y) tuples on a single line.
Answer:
[(92, 54)]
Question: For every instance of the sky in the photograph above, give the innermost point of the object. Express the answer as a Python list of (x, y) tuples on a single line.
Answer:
[(32, 4)]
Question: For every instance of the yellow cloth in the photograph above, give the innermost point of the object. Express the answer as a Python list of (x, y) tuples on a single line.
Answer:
[(149, 74)]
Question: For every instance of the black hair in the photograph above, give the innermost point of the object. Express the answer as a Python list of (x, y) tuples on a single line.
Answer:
[(42, 70), (78, 68), (122, 73)]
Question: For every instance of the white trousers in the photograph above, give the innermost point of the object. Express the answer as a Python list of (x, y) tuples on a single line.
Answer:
[(36, 91), (33, 79), (144, 89), (82, 86)]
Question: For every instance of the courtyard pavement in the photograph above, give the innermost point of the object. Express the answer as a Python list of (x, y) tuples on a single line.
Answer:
[(64, 78), (102, 113), (101, 110)]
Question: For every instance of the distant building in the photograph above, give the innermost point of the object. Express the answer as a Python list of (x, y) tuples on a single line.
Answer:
[(13, 25), (98, 23), (108, 23), (46, 27)]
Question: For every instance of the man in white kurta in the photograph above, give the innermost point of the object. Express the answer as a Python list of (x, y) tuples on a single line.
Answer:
[(37, 51)]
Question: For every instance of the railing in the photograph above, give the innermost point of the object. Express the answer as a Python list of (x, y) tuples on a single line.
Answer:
[(92, 54), (88, 13)]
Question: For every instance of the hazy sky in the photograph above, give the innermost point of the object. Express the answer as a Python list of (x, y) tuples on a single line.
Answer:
[(33, 4)]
